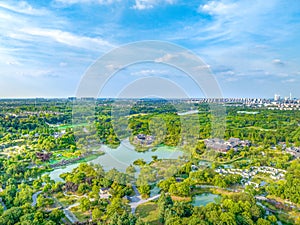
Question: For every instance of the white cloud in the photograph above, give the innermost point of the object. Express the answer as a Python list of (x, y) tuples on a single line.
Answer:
[(23, 8), (245, 36), (100, 2), (231, 79), (38, 45), (13, 62), (292, 80), (63, 64), (278, 62), (227, 73), (148, 4), (113, 67), (69, 39), (138, 4), (165, 58), (149, 72), (218, 8)]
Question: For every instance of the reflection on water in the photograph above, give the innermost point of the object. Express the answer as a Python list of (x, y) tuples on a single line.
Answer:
[(204, 199), (121, 157)]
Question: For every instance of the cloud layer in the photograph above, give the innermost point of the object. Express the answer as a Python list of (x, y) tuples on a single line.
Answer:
[(246, 43)]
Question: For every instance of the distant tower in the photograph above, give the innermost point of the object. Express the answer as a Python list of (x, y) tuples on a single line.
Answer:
[(276, 97), (290, 95)]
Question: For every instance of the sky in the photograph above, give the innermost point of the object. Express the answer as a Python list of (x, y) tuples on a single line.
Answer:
[(252, 47)]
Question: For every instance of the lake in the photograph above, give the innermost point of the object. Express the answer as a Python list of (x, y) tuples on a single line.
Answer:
[(121, 157), (204, 199)]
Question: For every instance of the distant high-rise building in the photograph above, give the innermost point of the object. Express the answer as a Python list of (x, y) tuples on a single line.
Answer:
[(72, 98), (276, 97), (290, 95)]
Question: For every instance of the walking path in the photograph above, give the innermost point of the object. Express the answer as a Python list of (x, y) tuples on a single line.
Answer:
[(134, 205), (137, 200), (34, 198), (3, 205)]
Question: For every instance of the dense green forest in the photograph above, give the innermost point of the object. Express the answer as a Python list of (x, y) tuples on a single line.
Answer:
[(36, 136)]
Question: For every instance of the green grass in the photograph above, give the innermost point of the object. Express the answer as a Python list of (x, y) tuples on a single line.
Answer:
[(66, 201), (85, 159), (285, 219), (63, 127), (148, 212), (81, 216), (261, 129)]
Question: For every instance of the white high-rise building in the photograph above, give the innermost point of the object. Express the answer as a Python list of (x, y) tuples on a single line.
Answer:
[(276, 97)]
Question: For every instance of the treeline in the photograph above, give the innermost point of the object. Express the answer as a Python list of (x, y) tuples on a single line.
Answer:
[(266, 127), (233, 209), (290, 187)]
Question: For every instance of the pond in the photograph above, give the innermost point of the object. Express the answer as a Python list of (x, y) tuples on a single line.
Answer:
[(204, 199), (121, 157)]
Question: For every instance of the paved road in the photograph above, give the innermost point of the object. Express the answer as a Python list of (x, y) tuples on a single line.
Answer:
[(134, 205), (71, 217), (136, 191), (211, 186), (137, 200), (262, 198), (34, 197), (74, 205)]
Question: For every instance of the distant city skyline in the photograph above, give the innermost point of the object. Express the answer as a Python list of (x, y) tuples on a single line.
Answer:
[(252, 47)]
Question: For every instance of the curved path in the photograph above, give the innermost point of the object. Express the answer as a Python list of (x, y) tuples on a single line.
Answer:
[(134, 205), (70, 216), (211, 186), (137, 200), (34, 198)]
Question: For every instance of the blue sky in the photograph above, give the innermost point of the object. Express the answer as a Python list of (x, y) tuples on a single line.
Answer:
[(251, 46)]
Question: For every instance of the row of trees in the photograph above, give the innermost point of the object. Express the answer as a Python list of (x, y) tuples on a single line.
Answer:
[(236, 209), (290, 187)]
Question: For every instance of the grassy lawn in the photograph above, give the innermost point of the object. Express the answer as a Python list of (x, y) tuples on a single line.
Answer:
[(70, 155), (65, 200), (63, 127), (222, 192), (261, 129), (81, 216), (281, 200), (148, 212), (183, 199), (285, 219)]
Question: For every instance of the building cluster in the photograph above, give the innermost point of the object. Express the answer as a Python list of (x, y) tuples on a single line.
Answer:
[(286, 103), (44, 156), (59, 134), (142, 139), (295, 151), (223, 146), (248, 174), (104, 193), (276, 174), (26, 114)]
